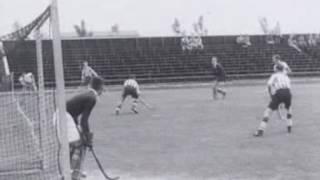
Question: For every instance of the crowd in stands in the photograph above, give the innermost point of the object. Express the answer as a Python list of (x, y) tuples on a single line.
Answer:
[(292, 42), (300, 42), (243, 40), (191, 43)]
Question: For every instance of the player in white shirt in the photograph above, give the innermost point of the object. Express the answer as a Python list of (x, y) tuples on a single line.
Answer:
[(87, 73), (27, 81), (279, 90), (130, 88), (277, 61)]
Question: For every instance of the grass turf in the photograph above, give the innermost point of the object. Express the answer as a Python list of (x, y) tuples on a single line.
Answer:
[(191, 136)]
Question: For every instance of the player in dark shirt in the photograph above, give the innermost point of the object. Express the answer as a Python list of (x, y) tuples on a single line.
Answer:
[(80, 107), (220, 76)]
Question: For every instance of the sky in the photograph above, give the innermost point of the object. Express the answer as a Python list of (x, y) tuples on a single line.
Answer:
[(155, 17)]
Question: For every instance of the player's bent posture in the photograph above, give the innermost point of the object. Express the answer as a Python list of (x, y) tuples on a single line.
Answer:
[(278, 62), (286, 69), (279, 90), (80, 107), (130, 88), (27, 81), (220, 76), (87, 73)]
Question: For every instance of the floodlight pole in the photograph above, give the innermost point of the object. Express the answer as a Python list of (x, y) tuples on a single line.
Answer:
[(60, 96)]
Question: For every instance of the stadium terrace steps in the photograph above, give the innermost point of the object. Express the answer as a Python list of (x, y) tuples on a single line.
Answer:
[(160, 59)]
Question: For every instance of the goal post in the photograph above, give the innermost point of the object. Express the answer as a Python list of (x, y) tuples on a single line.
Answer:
[(60, 86), (33, 146), (5, 80)]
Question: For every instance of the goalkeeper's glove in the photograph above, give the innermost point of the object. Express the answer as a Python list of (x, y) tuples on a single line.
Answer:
[(87, 139)]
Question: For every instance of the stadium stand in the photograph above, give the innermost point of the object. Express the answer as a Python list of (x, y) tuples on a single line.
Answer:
[(160, 59)]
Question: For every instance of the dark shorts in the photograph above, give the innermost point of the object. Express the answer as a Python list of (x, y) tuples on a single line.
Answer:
[(281, 96), (220, 78), (130, 91)]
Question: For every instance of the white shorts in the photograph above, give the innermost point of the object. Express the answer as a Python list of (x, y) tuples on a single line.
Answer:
[(73, 133)]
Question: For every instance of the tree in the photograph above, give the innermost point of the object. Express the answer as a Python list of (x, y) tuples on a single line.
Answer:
[(277, 29), (176, 26), (81, 30), (264, 25), (199, 27), (200, 24), (16, 26), (196, 28)]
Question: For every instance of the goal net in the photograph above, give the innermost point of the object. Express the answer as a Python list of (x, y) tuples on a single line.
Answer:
[(31, 147)]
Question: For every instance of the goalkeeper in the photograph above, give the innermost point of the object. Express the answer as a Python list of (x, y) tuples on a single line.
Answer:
[(80, 107), (27, 81)]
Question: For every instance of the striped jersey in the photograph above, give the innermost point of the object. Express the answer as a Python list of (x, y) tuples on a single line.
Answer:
[(132, 83), (279, 80), (285, 66)]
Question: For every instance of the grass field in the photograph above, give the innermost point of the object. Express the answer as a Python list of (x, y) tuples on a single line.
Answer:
[(189, 136)]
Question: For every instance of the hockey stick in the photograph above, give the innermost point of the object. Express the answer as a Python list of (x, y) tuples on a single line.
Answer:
[(101, 167), (97, 160), (148, 106)]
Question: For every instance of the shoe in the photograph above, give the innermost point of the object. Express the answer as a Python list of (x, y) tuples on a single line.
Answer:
[(134, 110), (289, 128), (76, 174), (83, 174), (224, 95), (117, 111), (258, 133)]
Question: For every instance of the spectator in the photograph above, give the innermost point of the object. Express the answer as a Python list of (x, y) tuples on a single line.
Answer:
[(317, 38), (190, 43), (184, 42), (198, 42), (312, 40), (270, 39), (243, 40), (292, 42), (301, 41), (27, 81)]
